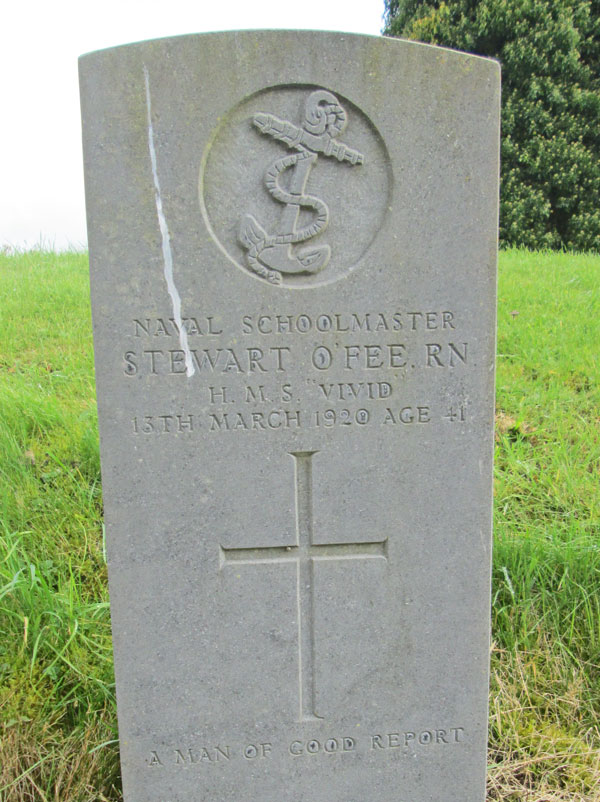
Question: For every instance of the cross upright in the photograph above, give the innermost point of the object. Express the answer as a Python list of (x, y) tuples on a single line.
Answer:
[(304, 553)]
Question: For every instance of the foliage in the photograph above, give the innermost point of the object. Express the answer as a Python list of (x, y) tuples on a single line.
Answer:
[(550, 56)]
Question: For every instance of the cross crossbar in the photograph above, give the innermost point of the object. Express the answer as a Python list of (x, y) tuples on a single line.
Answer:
[(304, 553)]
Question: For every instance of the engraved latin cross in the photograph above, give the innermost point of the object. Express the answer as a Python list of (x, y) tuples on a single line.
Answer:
[(304, 554)]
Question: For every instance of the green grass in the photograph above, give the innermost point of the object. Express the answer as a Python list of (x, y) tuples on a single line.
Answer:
[(56, 682), (545, 725), (57, 709)]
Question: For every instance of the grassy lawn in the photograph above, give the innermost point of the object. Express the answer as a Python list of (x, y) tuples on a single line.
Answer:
[(57, 710), (545, 693)]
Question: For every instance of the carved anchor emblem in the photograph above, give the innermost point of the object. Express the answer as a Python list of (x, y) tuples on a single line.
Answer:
[(270, 255)]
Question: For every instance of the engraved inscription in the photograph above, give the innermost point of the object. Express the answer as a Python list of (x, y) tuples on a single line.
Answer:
[(314, 745), (381, 743), (389, 356), (247, 379), (210, 754), (395, 740), (349, 322), (271, 420), (304, 553), (270, 255)]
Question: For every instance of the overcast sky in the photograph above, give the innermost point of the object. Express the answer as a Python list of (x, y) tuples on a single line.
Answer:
[(41, 178)]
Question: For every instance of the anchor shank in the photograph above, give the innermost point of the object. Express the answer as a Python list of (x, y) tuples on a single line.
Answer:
[(299, 178)]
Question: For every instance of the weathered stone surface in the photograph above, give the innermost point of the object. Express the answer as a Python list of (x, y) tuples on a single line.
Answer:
[(293, 243)]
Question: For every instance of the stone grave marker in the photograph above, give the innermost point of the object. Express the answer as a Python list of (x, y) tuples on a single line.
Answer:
[(293, 253)]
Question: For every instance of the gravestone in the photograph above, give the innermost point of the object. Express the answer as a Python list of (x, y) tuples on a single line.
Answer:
[(293, 251)]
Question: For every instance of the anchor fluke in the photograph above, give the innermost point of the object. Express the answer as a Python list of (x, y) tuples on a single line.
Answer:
[(253, 236), (251, 232), (315, 260)]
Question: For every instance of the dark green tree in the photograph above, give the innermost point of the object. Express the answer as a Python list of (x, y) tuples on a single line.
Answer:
[(550, 56)]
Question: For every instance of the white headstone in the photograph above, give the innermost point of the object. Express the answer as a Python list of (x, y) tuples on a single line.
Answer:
[(293, 253)]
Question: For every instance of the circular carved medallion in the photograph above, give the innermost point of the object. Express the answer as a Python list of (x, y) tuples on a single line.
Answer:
[(294, 185)]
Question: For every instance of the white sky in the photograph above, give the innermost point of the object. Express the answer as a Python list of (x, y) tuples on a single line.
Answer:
[(41, 177)]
